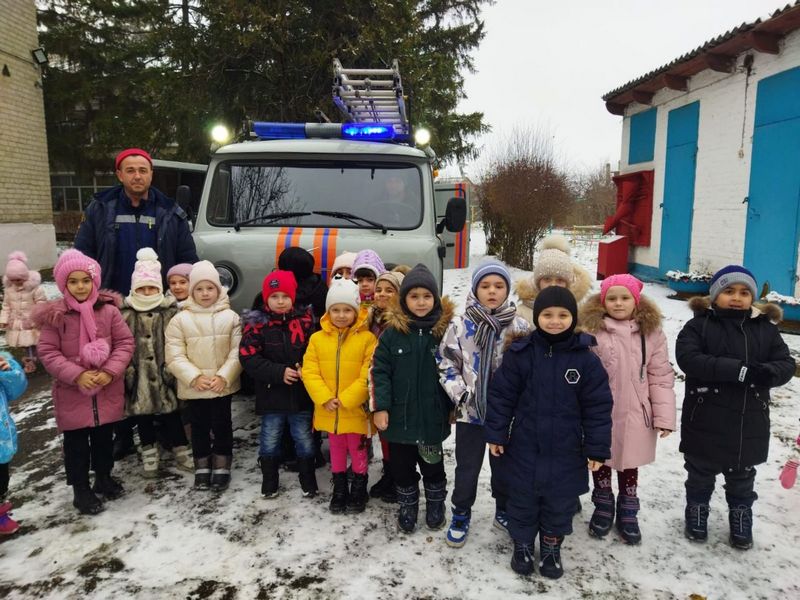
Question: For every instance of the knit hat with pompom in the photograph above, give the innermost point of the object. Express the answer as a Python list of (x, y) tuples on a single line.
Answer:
[(147, 270), (554, 261), (17, 266)]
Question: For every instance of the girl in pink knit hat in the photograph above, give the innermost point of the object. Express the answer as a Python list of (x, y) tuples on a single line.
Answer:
[(22, 291), (633, 349), (86, 346)]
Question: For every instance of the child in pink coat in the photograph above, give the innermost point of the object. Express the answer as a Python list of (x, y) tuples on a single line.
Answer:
[(22, 292), (86, 346), (633, 349)]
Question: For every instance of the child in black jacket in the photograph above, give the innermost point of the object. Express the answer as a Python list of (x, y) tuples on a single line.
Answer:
[(272, 347), (732, 354)]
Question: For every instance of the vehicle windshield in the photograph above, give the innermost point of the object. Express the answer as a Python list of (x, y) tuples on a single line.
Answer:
[(255, 194)]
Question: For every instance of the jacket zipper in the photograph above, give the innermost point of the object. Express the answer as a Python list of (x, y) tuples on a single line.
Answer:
[(338, 354), (419, 377), (94, 411), (744, 398)]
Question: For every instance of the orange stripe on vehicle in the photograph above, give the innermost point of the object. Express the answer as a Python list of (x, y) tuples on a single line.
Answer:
[(295, 237), (318, 259), (330, 244), (279, 244)]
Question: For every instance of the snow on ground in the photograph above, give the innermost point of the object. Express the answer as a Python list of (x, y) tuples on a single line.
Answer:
[(164, 540)]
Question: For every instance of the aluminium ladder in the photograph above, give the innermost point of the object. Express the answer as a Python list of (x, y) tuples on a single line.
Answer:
[(372, 95)]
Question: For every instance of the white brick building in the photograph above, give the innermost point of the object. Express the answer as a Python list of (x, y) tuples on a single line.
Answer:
[(26, 216), (720, 130)]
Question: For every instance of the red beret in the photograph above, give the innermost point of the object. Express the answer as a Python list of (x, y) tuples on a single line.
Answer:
[(131, 152)]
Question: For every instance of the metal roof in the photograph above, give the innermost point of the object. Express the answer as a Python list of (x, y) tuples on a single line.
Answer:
[(717, 53), (320, 146)]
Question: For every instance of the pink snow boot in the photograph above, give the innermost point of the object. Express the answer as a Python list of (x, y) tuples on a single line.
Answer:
[(789, 473)]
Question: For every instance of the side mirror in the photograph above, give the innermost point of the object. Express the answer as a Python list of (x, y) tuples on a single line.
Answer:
[(455, 216), (183, 196)]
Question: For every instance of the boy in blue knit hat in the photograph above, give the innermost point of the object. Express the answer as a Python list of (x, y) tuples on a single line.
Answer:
[(469, 353), (732, 354)]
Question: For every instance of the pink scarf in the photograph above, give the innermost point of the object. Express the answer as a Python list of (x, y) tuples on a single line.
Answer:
[(94, 352)]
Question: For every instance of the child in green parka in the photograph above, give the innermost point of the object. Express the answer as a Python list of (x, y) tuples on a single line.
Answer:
[(409, 406)]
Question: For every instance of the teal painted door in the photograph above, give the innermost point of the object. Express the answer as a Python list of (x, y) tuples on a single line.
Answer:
[(679, 175), (770, 248)]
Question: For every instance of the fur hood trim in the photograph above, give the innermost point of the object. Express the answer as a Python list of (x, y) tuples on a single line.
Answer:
[(527, 291), (700, 304), (592, 313), (52, 312), (395, 318), (33, 281)]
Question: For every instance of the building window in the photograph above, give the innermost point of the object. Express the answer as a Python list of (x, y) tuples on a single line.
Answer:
[(642, 137)]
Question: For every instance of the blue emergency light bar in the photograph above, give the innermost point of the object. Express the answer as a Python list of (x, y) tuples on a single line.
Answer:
[(369, 132)]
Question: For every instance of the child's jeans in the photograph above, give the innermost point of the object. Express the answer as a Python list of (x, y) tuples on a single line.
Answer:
[(89, 447), (702, 477), (272, 427), (211, 414), (470, 450), (353, 443), (4, 477)]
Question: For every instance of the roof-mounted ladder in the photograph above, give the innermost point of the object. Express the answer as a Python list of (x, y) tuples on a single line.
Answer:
[(371, 95)]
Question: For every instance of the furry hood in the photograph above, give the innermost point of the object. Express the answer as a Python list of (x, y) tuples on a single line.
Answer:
[(33, 281), (261, 317), (52, 312), (592, 312), (700, 304), (395, 318), (527, 291)]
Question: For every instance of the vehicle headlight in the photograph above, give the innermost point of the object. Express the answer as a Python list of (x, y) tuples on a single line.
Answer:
[(227, 277)]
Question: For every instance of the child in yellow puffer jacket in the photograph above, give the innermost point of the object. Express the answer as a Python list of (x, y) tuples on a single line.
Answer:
[(335, 369)]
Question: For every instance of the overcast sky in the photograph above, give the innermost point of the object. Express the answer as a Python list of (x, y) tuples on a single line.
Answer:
[(548, 62)]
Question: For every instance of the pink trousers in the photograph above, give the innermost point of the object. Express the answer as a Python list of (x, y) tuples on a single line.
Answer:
[(355, 444)]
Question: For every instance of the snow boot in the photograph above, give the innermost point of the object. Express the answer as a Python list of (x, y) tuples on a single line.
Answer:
[(150, 460), (627, 521), (220, 472), (435, 495), (501, 520), (8, 526), (550, 556), (123, 440), (270, 475), (357, 499), (183, 458), (85, 500), (696, 516), (107, 487), (385, 487), (339, 496), (408, 499), (308, 478), (522, 558), (459, 528), (603, 515), (202, 473), (740, 519)]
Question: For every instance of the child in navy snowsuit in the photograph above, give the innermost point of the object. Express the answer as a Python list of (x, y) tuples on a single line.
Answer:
[(732, 354), (548, 413)]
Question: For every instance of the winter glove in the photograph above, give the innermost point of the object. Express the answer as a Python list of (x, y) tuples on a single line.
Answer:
[(789, 473), (760, 374)]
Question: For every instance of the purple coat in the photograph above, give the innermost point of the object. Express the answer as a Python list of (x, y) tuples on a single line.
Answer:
[(59, 350)]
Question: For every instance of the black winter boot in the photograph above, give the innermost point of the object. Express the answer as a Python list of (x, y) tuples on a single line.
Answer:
[(202, 473), (550, 556), (308, 479), (740, 518), (384, 489), (627, 520), (220, 472), (85, 500), (408, 499), (696, 515), (108, 487), (603, 515), (357, 500), (435, 495), (270, 475), (522, 558), (339, 496)]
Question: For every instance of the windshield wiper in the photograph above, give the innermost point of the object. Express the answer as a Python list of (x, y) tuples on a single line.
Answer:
[(270, 217), (355, 219)]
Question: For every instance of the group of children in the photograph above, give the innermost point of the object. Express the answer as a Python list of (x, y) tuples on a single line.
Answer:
[(559, 387)]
